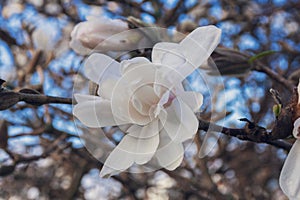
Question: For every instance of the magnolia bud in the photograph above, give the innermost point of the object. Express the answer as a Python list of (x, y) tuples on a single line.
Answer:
[(103, 35)]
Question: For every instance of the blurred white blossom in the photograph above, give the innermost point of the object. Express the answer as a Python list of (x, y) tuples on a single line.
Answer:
[(44, 38), (150, 99), (289, 179), (100, 34), (11, 9)]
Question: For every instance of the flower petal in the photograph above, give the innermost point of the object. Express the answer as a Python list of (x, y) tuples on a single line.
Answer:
[(200, 43), (77, 46), (181, 60), (169, 154), (123, 104), (121, 158), (134, 62), (106, 88), (172, 64), (289, 179), (99, 67), (181, 123), (166, 53), (144, 132), (94, 112), (146, 148), (81, 98), (296, 130), (193, 99), (143, 98)]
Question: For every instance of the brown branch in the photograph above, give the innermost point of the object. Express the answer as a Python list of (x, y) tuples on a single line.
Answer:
[(9, 98), (273, 75), (251, 133)]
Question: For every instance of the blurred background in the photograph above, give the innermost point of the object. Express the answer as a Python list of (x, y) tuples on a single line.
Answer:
[(41, 154)]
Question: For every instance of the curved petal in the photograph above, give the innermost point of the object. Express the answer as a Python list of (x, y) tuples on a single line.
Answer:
[(106, 88), (200, 43), (121, 158), (143, 98), (181, 60), (296, 130), (144, 132), (169, 154), (129, 151), (81, 98), (94, 112), (141, 74), (146, 148), (79, 48), (134, 62), (181, 123), (166, 53), (99, 67), (289, 179), (193, 99), (123, 93), (173, 67)]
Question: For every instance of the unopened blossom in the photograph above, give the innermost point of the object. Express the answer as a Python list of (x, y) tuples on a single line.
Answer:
[(100, 34), (289, 179), (149, 98)]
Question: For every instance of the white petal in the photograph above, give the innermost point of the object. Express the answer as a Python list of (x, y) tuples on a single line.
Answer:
[(181, 60), (122, 105), (143, 73), (134, 62), (78, 48), (99, 67), (143, 98), (121, 158), (200, 43), (146, 148), (144, 132), (95, 113), (130, 150), (289, 179), (296, 130), (106, 88), (173, 66), (147, 141), (81, 98), (167, 53), (193, 99), (181, 123), (169, 154), (122, 98)]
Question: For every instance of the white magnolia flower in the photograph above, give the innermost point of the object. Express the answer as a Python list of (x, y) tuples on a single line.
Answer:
[(149, 98), (289, 179), (102, 35)]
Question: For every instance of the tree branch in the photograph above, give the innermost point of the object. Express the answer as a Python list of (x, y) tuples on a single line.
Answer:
[(9, 98), (250, 133)]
